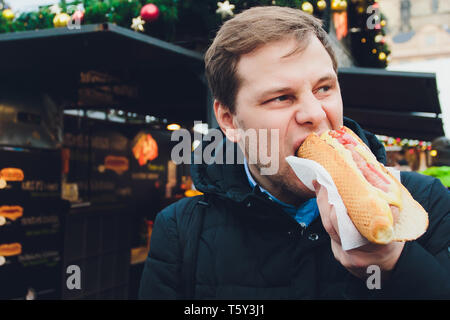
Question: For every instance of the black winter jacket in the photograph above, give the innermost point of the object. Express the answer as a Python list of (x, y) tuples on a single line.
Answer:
[(249, 248)]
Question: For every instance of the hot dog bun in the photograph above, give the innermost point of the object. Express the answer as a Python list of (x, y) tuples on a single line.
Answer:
[(368, 206)]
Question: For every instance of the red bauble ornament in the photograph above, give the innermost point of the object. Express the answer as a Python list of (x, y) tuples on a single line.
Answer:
[(149, 12)]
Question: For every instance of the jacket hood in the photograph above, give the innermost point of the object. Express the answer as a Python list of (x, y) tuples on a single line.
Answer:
[(230, 180)]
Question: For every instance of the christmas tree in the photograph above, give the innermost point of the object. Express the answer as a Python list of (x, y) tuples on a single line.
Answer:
[(367, 26), (357, 24)]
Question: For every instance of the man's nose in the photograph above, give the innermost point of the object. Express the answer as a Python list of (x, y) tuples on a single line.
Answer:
[(310, 111)]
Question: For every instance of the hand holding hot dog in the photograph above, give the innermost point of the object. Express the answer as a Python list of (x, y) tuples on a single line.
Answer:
[(379, 206), (356, 260)]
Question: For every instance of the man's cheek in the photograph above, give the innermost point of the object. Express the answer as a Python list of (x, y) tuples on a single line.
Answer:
[(335, 112)]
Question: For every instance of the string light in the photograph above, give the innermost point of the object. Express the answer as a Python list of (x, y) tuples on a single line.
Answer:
[(404, 143), (173, 127)]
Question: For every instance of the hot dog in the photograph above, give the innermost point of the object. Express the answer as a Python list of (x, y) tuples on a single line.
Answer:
[(11, 212), (12, 174), (380, 207), (116, 163), (10, 249)]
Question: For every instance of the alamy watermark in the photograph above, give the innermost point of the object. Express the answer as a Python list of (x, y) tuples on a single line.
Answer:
[(74, 22), (74, 279), (374, 19), (374, 280), (261, 146)]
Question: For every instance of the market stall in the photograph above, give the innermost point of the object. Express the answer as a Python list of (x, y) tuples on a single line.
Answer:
[(90, 106)]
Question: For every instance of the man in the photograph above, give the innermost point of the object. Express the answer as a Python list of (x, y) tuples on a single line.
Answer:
[(268, 236)]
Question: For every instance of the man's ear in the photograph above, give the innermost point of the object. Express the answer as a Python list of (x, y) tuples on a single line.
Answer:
[(227, 121)]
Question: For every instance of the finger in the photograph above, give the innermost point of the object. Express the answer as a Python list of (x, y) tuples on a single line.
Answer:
[(343, 258), (334, 222), (325, 216), (330, 218), (327, 212), (322, 197), (348, 262), (329, 228), (316, 185)]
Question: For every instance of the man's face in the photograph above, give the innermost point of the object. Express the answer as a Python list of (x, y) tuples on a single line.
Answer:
[(297, 95)]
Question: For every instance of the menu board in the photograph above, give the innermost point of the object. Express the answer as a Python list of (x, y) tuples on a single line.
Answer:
[(31, 213), (112, 162), (108, 162), (96, 162)]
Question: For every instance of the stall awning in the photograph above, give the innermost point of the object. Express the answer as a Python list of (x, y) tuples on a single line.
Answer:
[(397, 104), (139, 73)]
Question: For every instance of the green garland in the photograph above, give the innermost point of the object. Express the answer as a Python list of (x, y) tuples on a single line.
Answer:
[(193, 23), (120, 12)]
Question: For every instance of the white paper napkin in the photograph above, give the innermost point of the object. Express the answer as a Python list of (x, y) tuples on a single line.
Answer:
[(309, 170)]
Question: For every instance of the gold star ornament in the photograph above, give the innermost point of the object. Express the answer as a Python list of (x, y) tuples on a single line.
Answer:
[(138, 24), (225, 9)]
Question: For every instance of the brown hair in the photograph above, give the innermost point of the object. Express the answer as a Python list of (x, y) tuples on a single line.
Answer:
[(248, 31)]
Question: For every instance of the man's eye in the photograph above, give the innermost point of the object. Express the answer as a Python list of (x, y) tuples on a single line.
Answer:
[(324, 89), (280, 98)]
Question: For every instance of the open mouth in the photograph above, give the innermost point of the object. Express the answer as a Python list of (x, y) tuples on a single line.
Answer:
[(297, 145), (299, 142)]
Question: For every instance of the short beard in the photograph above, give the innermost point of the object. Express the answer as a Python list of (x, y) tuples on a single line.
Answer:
[(289, 188)]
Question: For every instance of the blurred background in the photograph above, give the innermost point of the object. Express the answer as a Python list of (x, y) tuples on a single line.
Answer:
[(91, 91)]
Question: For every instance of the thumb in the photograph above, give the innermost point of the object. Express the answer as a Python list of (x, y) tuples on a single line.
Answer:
[(316, 186)]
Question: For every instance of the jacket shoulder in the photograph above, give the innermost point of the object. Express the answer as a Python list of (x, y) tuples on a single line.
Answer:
[(160, 278), (177, 211), (420, 185), (435, 199)]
